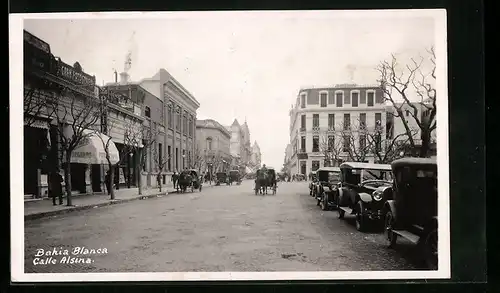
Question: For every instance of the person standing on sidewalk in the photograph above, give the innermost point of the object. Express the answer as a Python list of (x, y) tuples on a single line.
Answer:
[(56, 187)]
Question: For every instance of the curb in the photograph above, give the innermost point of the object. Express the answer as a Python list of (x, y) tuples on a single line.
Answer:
[(87, 207)]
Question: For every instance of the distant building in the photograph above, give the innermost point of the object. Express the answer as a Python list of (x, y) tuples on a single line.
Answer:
[(320, 114), (212, 153), (241, 149), (256, 157)]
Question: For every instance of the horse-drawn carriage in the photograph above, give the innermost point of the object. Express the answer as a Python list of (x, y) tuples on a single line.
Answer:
[(266, 178), (221, 177), (234, 176), (189, 179)]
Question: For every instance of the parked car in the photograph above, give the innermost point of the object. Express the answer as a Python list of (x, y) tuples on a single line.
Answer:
[(312, 184), (411, 212), (364, 190), (328, 179)]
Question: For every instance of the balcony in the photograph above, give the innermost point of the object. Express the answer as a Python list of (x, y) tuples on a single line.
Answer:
[(316, 129)]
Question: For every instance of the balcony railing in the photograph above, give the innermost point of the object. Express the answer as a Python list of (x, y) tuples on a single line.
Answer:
[(316, 129)]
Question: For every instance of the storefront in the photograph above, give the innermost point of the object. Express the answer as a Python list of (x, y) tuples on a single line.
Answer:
[(126, 174)]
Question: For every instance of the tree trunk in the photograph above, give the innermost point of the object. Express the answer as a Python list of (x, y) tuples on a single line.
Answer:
[(139, 181), (426, 140), (111, 181), (67, 178), (158, 180)]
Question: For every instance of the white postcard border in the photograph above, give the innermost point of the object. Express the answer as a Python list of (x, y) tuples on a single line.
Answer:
[(16, 156)]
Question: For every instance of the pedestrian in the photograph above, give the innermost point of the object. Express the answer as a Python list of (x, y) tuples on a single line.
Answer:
[(56, 187), (107, 182), (175, 178)]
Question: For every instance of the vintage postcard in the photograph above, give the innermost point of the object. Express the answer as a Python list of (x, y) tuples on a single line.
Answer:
[(245, 145)]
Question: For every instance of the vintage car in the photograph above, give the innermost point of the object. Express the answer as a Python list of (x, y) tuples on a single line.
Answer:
[(312, 184), (328, 179), (221, 177), (363, 192), (411, 211)]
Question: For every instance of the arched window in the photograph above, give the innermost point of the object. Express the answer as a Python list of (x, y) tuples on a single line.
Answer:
[(209, 143)]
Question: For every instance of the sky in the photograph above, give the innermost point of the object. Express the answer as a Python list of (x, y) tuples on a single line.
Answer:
[(248, 66)]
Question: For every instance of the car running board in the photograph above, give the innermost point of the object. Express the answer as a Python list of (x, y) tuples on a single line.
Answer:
[(407, 235), (347, 210)]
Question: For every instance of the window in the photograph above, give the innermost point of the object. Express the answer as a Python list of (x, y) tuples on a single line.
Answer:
[(362, 142), (303, 100), (362, 120), (169, 162), (379, 99), (323, 99), (370, 97), (160, 154), (170, 116), (331, 143), (362, 99), (303, 144), (303, 121), (378, 142), (144, 142), (315, 120), (315, 144), (178, 120), (183, 158), (347, 121), (315, 165), (147, 112), (378, 119), (331, 121), (354, 98), (345, 144), (177, 158), (209, 143), (339, 96)]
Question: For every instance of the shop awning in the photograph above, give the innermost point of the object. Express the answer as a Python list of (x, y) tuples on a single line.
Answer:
[(93, 151)]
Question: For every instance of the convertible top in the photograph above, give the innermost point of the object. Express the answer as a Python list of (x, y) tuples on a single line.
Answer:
[(329, 169), (403, 162), (358, 165)]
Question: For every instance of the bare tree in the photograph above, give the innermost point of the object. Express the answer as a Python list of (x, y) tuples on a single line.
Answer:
[(198, 160), (149, 138), (385, 147), (400, 81), (160, 161), (37, 102), (330, 144), (131, 141), (77, 117)]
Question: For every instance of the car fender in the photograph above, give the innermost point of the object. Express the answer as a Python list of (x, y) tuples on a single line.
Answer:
[(365, 197)]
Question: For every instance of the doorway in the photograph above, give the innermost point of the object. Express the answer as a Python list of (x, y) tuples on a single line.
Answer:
[(96, 178), (78, 177)]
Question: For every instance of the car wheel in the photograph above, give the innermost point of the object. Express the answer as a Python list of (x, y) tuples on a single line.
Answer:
[(360, 218), (390, 236), (431, 250)]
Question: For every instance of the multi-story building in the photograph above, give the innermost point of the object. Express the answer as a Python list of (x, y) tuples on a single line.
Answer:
[(179, 125), (256, 157), (57, 99), (325, 125), (213, 147), (288, 158)]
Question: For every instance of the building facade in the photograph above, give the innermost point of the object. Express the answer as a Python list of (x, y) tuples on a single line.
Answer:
[(241, 147), (256, 157), (212, 153), (179, 122), (326, 123), (58, 98)]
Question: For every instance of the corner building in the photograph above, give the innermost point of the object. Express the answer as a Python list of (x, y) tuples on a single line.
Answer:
[(324, 111)]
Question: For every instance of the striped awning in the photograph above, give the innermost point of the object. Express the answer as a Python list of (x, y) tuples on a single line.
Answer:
[(36, 123)]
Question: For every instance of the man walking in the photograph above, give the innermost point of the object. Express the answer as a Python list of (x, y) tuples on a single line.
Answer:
[(56, 187)]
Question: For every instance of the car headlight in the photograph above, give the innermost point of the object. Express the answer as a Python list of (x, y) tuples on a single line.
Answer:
[(377, 195)]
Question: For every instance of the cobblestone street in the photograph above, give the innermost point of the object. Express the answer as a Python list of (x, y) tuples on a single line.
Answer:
[(225, 228)]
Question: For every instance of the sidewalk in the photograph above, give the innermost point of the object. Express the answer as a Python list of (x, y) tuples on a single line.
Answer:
[(45, 208)]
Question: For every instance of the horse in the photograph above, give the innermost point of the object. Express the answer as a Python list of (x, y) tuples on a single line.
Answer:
[(261, 182), (185, 180)]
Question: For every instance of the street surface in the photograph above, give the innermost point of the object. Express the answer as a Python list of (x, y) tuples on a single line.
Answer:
[(224, 228)]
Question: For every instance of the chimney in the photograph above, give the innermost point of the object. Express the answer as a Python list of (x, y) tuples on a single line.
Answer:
[(116, 77), (124, 78)]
